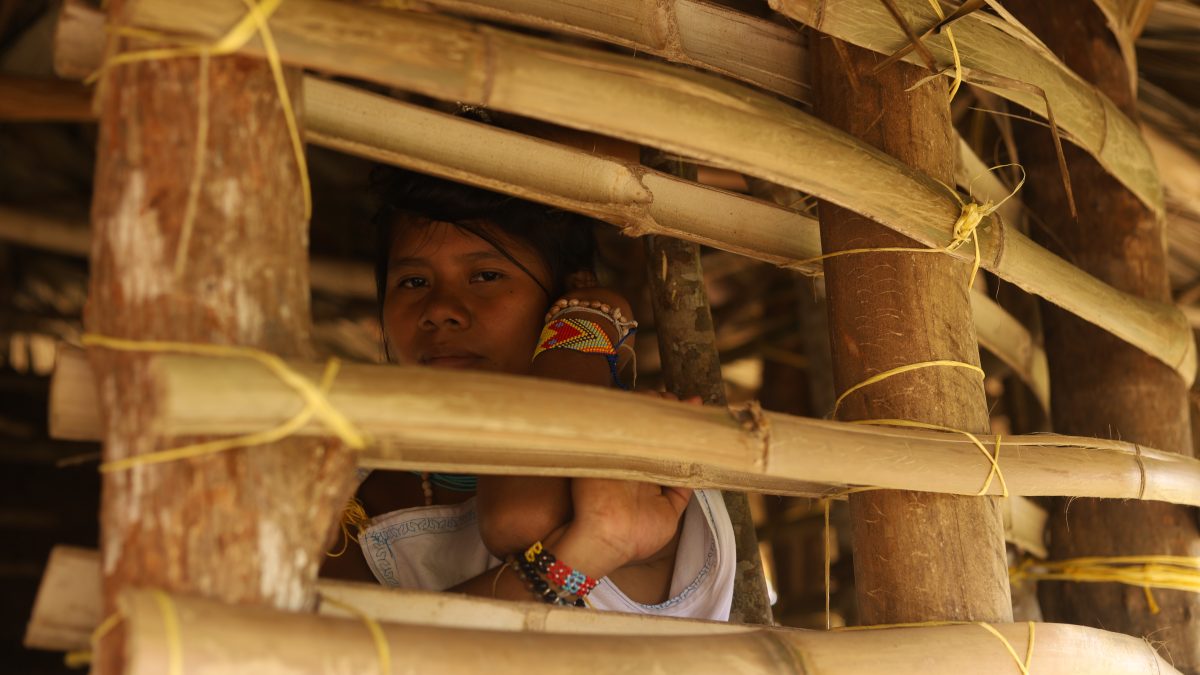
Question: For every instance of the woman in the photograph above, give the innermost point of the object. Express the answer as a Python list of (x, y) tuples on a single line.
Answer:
[(469, 279)]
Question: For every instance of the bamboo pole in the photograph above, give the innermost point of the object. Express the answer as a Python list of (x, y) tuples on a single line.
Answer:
[(31, 99), (917, 557), (692, 32), (208, 636), (498, 424), (691, 366), (1101, 387), (1001, 56), (690, 113), (67, 237), (253, 527)]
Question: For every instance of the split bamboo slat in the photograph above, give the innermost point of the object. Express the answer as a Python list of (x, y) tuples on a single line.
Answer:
[(428, 419), (207, 636), (1004, 57), (694, 114)]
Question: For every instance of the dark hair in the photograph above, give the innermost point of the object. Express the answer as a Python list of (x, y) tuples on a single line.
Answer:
[(565, 241)]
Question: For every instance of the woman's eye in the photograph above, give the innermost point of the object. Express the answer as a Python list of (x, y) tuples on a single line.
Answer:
[(488, 275), (412, 282)]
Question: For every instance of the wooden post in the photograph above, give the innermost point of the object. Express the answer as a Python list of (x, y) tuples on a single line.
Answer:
[(917, 556), (691, 366), (248, 526), (1100, 385)]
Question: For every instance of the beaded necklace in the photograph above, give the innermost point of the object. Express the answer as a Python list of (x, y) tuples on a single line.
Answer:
[(455, 482)]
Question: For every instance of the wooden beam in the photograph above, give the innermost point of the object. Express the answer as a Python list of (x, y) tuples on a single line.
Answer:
[(917, 557), (485, 428), (253, 527), (1102, 387), (33, 99), (73, 238), (691, 366)]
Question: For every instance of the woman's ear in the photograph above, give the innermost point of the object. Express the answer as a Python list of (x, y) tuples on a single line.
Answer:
[(581, 279)]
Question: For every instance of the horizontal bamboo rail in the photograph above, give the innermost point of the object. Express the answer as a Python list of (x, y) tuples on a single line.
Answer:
[(74, 238), (1004, 57), (431, 419), (693, 32), (67, 610), (208, 636), (690, 113)]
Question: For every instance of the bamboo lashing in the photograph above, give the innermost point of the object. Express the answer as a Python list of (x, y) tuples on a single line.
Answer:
[(689, 113), (482, 427)]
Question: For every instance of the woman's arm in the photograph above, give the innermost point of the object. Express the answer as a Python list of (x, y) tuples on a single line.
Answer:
[(515, 511)]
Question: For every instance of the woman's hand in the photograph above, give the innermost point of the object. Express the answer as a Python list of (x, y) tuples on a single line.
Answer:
[(631, 520)]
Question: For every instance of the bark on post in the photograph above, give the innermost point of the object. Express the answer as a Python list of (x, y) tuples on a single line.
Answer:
[(248, 526), (691, 366), (1100, 385), (917, 556)]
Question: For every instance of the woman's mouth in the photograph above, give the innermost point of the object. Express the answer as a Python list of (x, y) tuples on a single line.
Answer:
[(451, 359)]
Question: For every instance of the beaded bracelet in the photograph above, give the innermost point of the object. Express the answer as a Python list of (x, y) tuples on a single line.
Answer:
[(583, 335), (542, 588), (561, 574)]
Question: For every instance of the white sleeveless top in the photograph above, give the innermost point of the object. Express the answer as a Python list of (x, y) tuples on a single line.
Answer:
[(438, 547)]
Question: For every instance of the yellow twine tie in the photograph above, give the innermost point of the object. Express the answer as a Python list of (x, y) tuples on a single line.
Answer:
[(1022, 665), (1166, 572), (173, 635), (316, 402), (382, 649), (953, 49), (879, 377), (969, 219), (353, 516), (993, 457), (82, 657), (255, 20)]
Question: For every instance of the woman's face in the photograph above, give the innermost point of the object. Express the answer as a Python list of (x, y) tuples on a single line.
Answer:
[(454, 301)]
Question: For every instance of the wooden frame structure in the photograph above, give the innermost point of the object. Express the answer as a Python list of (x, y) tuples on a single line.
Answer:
[(748, 118)]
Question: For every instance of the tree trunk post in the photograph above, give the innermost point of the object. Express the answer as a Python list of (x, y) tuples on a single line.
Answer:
[(691, 366), (251, 525), (1101, 386), (917, 556)]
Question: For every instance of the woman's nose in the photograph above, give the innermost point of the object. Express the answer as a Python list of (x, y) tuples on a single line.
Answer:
[(443, 309)]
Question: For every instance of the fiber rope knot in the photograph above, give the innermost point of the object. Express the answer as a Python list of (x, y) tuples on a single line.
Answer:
[(314, 396)]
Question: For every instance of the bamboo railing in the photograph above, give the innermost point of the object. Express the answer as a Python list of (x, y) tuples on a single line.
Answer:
[(498, 424), (425, 632), (680, 111)]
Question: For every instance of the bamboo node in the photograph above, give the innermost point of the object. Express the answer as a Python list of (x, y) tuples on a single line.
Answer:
[(315, 397), (752, 419)]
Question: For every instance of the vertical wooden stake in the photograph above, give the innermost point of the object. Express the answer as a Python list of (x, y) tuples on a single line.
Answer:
[(691, 366), (247, 526), (1101, 386), (917, 556)]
